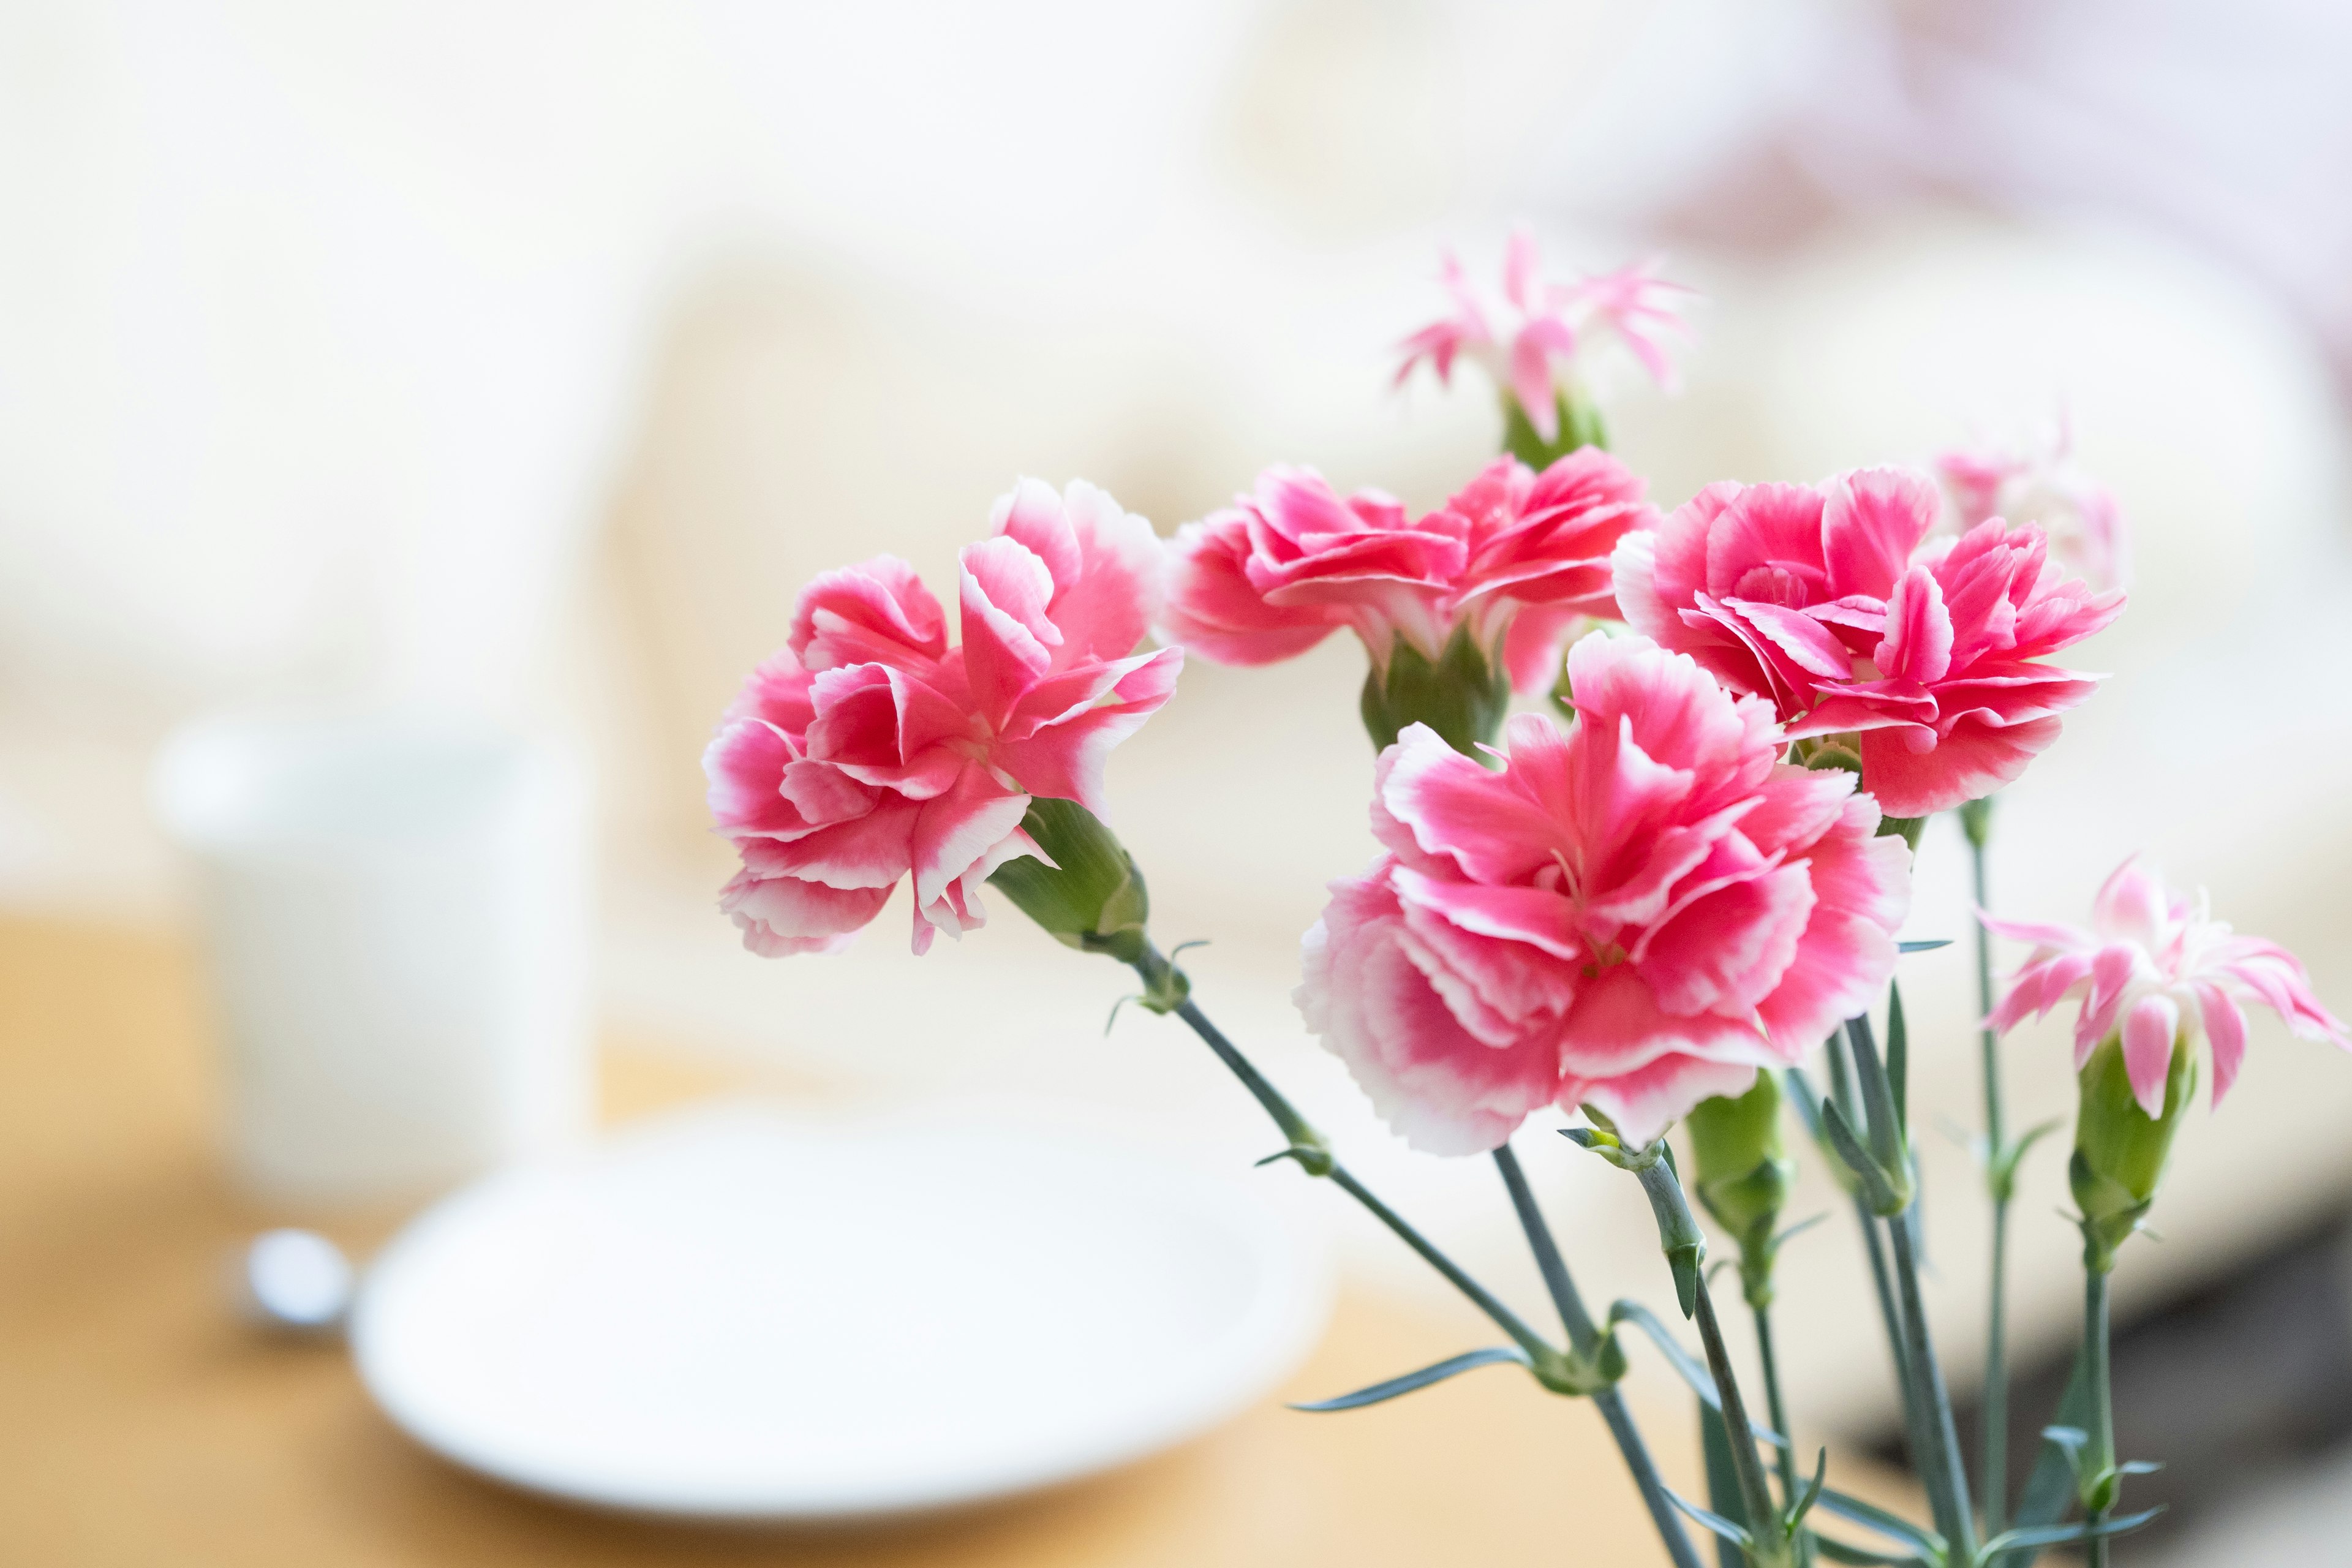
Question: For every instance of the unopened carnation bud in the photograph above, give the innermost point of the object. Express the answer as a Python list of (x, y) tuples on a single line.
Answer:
[(1463, 695), (2120, 1149), (1091, 896), (1742, 1175)]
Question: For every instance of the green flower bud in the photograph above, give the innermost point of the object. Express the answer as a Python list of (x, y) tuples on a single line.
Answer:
[(2120, 1150), (1742, 1175), (1580, 424), (1092, 896), (1461, 696)]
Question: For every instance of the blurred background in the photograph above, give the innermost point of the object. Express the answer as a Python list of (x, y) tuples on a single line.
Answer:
[(522, 360)]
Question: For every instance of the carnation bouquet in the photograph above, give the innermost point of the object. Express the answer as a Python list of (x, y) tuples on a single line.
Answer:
[(1647, 787)]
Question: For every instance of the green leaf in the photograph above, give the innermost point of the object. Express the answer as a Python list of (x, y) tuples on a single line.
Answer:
[(1412, 1381), (1837, 1550), (1923, 946), (1692, 1371), (1713, 1521), (2049, 1489), (1722, 1482), (2035, 1537), (1894, 1526), (1846, 1144), (1898, 1058), (1812, 1492)]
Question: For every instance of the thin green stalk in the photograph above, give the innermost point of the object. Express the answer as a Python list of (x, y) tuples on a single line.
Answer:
[(1662, 1186), (2101, 1459), (1581, 1333), (1646, 1477), (1585, 1338), (1874, 1244), (1945, 1480), (1308, 1148), (1938, 1453), (1508, 1321), (1755, 1496), (1773, 1406), (1999, 1169)]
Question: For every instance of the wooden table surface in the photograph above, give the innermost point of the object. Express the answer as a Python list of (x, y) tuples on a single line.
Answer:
[(140, 1424)]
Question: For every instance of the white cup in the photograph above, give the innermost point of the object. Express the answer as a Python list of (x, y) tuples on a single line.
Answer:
[(397, 909)]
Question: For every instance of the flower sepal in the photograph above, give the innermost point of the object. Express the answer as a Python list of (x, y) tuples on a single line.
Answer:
[(2120, 1150), (1742, 1176), (1085, 890), (1462, 694), (1576, 418)]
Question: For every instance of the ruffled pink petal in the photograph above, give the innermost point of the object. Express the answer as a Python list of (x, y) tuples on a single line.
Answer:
[(1531, 382), (1534, 648), (782, 915), (2131, 905), (1872, 521), (1065, 758), (1918, 641), (745, 766), (1617, 1027), (1969, 763), (1842, 963), (777, 693), (2225, 1028), (1106, 565), (2039, 933), (882, 726), (1765, 543), (1008, 640), (873, 850), (1214, 608), (1441, 1087), (1800, 804), (2149, 1030), (1539, 918), (1489, 983), (1725, 952), (1455, 810), (957, 829), (1646, 1101), (1673, 710), (877, 610), (2113, 970)]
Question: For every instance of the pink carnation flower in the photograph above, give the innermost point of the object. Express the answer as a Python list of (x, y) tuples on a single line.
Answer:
[(2042, 484), (1519, 556), (2157, 968), (1634, 915), (870, 749), (1531, 338), (1826, 601)]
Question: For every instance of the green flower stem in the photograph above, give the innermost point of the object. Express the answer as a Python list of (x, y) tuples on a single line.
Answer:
[(1945, 1480), (1975, 820), (1665, 1195), (1938, 1448), (1873, 1243), (1646, 1477), (2100, 1460), (1773, 1407), (1582, 1334), (1314, 1155), (1585, 1339), (1286, 1116)]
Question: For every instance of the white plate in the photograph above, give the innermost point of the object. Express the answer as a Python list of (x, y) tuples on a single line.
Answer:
[(738, 1314)]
